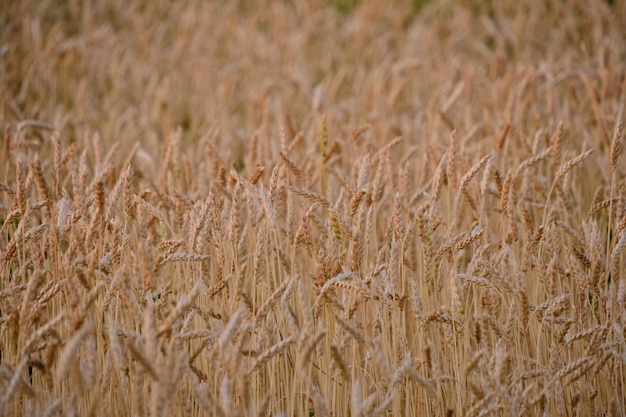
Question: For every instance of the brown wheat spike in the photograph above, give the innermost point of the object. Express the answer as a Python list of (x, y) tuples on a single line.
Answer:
[(98, 193), (513, 233), (291, 166), (379, 178), (405, 368), (473, 362), (356, 133), (616, 253), (339, 361), (127, 193), (621, 225), (473, 236), (480, 281), (505, 194), (310, 196), (81, 312), (271, 352), (308, 347), (183, 305), (440, 177), (273, 298), (148, 208), (237, 318), (503, 365), (34, 283), (352, 330), (185, 257), (36, 336), (497, 178), (469, 175), (357, 242), (69, 153), (345, 181), (257, 174), (484, 182), (532, 161), (42, 184), (143, 360), (501, 138), (56, 144), (363, 172), (70, 351), (566, 167), (330, 283), (439, 315), (599, 206), (557, 139), (16, 383), (355, 203), (452, 156), (616, 146), (5, 188), (574, 370), (398, 217)]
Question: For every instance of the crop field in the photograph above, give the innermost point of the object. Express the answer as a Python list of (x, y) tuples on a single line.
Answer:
[(312, 208)]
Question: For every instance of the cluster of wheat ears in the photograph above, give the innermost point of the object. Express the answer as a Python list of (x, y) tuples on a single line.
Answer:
[(312, 208)]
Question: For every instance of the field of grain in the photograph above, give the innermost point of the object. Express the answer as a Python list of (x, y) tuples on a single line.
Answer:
[(312, 208)]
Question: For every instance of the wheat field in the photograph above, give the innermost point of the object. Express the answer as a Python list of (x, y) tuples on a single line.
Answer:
[(312, 208)]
